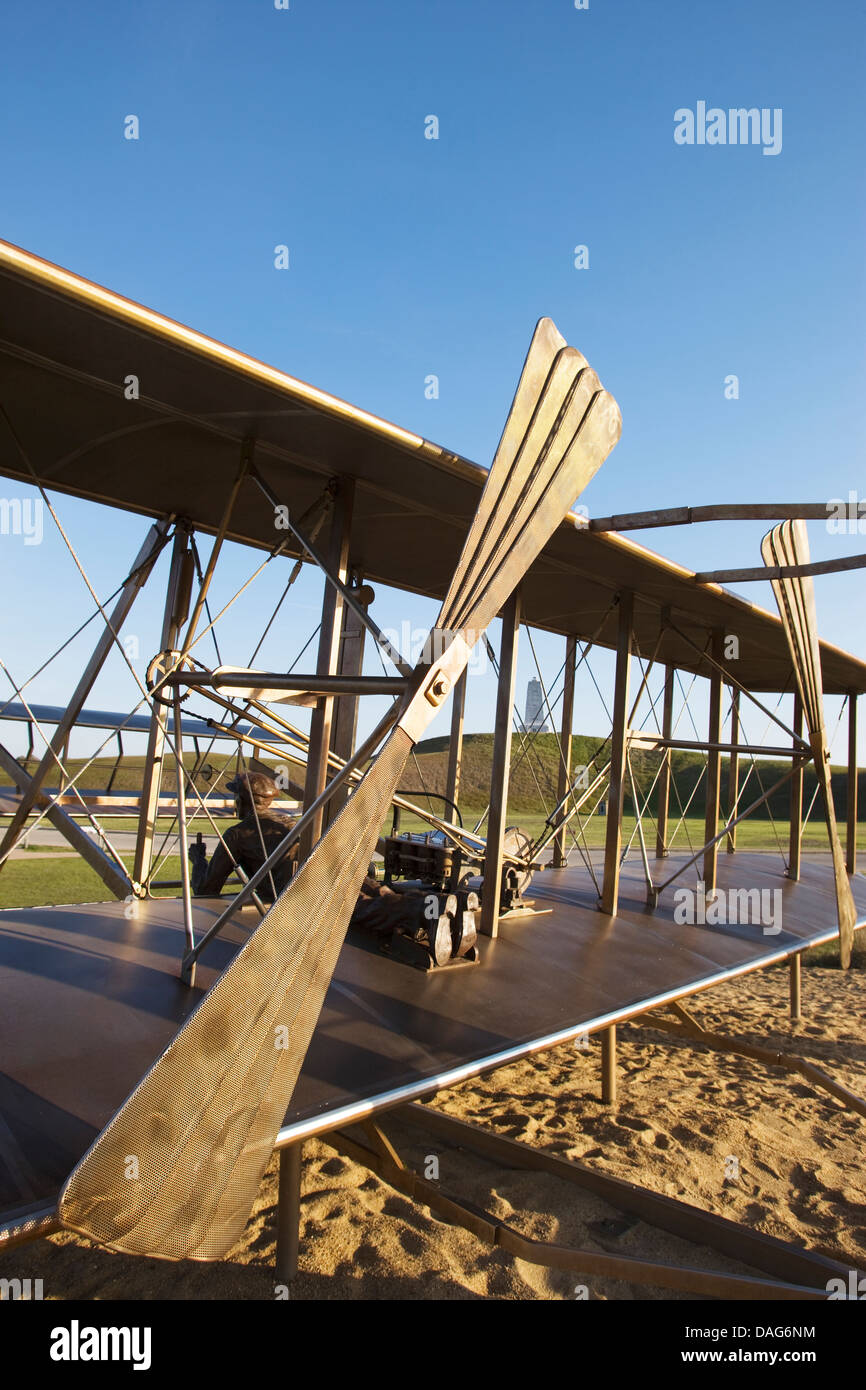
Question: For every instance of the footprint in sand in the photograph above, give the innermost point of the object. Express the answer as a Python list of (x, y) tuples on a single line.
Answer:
[(632, 1122), (411, 1242), (333, 1167)]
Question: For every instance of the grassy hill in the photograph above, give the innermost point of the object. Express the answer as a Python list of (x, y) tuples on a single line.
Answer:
[(534, 773)]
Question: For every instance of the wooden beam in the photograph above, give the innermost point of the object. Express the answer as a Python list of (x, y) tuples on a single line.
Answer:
[(289, 1212), (455, 742), (653, 743), (247, 452), (560, 854), (665, 773), (501, 768), (744, 576), (618, 750), (851, 847), (176, 611), (796, 802), (685, 516), (350, 662), (608, 1065), (734, 768), (714, 765), (795, 988), (327, 660), (740, 1242)]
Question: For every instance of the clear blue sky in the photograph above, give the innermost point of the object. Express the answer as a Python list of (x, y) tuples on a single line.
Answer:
[(412, 256)]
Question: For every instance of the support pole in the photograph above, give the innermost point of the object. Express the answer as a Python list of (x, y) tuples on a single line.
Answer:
[(289, 1212), (560, 854), (350, 663), (187, 970), (501, 767), (141, 567), (851, 855), (618, 750), (734, 769), (608, 1065), (665, 773), (175, 615), (796, 800), (327, 661), (795, 987), (455, 742), (247, 451), (714, 764)]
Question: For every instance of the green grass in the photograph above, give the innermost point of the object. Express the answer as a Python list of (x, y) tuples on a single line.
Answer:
[(751, 834), (65, 880)]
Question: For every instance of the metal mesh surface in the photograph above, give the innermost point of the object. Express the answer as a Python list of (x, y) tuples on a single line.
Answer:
[(176, 1171)]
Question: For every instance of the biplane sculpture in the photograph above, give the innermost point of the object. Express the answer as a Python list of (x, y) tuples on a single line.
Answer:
[(246, 1052)]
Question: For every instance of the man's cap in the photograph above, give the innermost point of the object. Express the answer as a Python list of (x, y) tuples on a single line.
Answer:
[(256, 787)]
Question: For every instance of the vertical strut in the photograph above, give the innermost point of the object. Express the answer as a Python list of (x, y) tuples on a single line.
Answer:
[(851, 843), (247, 449), (327, 661), (618, 753), (665, 773), (500, 770), (714, 762), (608, 1065), (350, 662), (734, 769), (795, 988), (796, 831), (455, 742), (289, 1212), (175, 615), (560, 854), (187, 973)]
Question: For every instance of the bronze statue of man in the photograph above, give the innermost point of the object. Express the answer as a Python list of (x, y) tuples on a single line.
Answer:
[(379, 909)]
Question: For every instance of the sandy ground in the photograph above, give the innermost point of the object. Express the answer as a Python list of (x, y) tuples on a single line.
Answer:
[(683, 1112)]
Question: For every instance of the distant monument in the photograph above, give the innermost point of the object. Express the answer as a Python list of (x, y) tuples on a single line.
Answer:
[(535, 721)]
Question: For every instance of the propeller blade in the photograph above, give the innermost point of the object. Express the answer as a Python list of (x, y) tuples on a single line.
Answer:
[(788, 544)]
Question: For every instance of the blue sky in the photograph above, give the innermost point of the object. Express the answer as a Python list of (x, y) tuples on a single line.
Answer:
[(412, 256)]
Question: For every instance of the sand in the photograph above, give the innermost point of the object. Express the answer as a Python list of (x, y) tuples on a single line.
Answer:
[(683, 1113)]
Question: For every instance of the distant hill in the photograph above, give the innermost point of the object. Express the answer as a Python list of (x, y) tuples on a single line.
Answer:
[(533, 774)]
